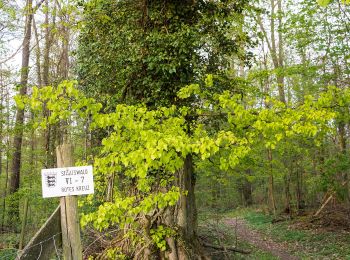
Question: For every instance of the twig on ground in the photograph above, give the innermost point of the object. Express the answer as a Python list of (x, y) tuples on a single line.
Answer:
[(234, 249)]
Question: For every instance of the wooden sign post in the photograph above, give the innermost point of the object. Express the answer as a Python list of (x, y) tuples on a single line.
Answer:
[(72, 249), (65, 182)]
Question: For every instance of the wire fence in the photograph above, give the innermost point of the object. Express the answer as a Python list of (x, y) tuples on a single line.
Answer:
[(23, 254)]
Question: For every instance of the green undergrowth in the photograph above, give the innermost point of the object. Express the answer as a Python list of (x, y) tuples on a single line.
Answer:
[(305, 243), (8, 253), (8, 244)]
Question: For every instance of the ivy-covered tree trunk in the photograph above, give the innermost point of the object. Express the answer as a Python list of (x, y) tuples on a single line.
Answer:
[(181, 218), (163, 45)]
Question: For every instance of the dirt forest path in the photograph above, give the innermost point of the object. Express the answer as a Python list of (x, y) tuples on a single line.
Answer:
[(255, 238)]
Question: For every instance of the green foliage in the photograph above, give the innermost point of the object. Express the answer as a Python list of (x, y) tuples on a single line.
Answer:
[(323, 3), (62, 101), (163, 77), (132, 51), (146, 147), (158, 236), (124, 209)]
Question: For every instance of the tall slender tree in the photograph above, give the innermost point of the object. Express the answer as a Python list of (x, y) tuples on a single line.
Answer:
[(23, 87)]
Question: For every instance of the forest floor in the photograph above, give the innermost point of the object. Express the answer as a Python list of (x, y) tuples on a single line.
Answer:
[(253, 237), (261, 236), (302, 237)]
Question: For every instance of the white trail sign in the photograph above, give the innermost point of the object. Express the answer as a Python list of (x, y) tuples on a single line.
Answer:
[(60, 182)]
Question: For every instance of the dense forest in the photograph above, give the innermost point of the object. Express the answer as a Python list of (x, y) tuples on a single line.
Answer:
[(217, 129)]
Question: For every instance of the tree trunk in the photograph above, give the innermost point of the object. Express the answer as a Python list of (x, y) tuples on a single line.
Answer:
[(299, 190), (287, 207), (277, 55), (48, 42), (37, 54), (247, 193), (271, 185), (17, 142), (186, 212), (63, 65), (7, 161), (214, 194), (246, 190), (342, 144), (184, 216), (1, 117), (49, 147), (110, 188), (1, 145), (280, 76), (5, 194)]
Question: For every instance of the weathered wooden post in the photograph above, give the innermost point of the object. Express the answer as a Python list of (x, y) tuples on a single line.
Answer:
[(65, 182), (72, 249)]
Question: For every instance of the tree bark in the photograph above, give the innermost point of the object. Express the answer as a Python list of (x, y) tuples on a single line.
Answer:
[(185, 211), (184, 216)]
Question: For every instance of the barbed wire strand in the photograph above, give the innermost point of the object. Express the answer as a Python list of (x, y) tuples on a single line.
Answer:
[(40, 243), (17, 252), (54, 243), (41, 249)]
